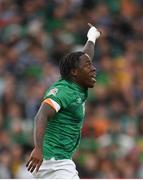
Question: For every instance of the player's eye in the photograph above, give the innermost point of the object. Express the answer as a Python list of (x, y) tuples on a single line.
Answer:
[(89, 64)]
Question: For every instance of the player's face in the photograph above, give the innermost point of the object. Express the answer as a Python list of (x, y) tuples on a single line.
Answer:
[(86, 72)]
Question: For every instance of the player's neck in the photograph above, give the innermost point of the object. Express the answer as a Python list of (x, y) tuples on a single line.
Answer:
[(75, 81)]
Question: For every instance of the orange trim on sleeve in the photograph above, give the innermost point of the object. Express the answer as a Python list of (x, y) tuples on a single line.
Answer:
[(49, 102)]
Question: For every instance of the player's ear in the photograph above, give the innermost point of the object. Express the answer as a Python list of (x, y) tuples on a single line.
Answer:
[(74, 72)]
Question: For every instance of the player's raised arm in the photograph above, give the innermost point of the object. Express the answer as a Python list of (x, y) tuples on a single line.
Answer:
[(92, 35)]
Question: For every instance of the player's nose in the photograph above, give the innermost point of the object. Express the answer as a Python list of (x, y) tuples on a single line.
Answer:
[(93, 68)]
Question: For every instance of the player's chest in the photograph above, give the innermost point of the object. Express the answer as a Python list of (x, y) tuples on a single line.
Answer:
[(77, 108)]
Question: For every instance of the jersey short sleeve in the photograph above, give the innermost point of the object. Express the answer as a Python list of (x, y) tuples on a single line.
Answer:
[(58, 97)]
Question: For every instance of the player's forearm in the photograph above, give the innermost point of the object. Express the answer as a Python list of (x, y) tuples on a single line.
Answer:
[(89, 49), (39, 131), (92, 35), (45, 112)]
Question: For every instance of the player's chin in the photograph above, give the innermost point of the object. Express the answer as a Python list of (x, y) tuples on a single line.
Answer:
[(91, 85)]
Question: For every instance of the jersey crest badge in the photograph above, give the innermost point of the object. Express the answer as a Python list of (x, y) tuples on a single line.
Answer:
[(53, 92), (78, 100)]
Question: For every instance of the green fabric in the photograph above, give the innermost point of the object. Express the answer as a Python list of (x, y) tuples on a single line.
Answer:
[(63, 131)]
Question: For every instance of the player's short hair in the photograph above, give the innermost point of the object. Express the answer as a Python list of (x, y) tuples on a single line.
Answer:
[(69, 62)]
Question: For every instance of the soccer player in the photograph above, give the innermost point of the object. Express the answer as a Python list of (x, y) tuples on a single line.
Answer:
[(58, 122)]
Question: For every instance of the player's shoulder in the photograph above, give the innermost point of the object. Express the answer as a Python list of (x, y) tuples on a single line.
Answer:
[(60, 87), (61, 84)]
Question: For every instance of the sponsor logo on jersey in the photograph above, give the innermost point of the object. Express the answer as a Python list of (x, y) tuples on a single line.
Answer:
[(53, 92)]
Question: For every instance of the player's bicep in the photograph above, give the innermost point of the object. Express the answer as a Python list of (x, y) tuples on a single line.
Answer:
[(45, 111)]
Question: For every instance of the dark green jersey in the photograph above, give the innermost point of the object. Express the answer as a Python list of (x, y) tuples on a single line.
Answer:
[(63, 131)]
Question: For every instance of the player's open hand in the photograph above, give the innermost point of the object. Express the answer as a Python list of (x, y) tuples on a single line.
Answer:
[(35, 160)]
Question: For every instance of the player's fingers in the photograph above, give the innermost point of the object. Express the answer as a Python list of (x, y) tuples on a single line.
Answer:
[(30, 159), (38, 166), (29, 166), (90, 25), (32, 168), (32, 164)]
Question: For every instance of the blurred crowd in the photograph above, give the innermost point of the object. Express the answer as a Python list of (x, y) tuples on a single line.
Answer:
[(34, 36)]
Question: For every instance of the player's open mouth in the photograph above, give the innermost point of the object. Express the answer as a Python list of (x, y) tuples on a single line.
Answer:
[(93, 78)]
